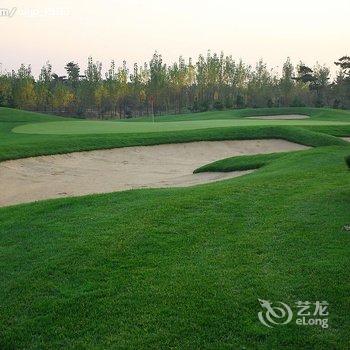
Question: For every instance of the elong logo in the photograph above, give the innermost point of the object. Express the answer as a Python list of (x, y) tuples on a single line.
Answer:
[(282, 314)]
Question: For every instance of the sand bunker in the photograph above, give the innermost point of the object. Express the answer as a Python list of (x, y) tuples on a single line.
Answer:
[(281, 117), (346, 138), (81, 173)]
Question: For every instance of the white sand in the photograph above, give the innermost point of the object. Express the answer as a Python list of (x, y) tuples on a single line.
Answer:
[(346, 138), (81, 173), (281, 117)]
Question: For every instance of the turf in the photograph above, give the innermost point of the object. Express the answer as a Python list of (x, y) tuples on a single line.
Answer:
[(181, 268), (16, 145), (323, 117), (105, 127), (313, 113), (239, 163)]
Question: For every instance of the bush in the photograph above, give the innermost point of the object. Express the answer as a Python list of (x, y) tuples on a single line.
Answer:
[(347, 161), (240, 101), (228, 103), (336, 103), (297, 102), (204, 106), (194, 107), (218, 105)]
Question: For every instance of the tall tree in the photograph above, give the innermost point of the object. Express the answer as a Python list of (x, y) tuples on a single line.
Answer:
[(23, 88), (287, 83), (43, 88), (342, 83), (157, 82), (73, 73), (321, 76), (6, 90)]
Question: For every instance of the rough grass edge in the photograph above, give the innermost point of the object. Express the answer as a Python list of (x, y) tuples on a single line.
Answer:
[(240, 163), (347, 161)]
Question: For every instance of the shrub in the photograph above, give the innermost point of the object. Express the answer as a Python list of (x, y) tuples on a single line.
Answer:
[(194, 107), (204, 106), (218, 105), (228, 103), (297, 102), (336, 103), (319, 102), (240, 101)]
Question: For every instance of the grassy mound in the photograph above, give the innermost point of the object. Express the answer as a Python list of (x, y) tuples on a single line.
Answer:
[(15, 145), (241, 163), (313, 113), (182, 268), (112, 127)]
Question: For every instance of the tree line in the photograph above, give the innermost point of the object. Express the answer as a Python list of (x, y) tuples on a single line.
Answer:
[(214, 81)]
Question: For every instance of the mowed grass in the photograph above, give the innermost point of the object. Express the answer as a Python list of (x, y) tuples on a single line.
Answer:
[(181, 268), (238, 163), (17, 145), (313, 113), (323, 117), (105, 127)]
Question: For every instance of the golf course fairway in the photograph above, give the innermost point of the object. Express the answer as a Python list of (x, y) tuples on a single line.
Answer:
[(106, 127), (181, 268)]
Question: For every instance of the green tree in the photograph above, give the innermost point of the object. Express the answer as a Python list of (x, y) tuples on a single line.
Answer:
[(342, 83), (287, 83), (23, 88), (62, 97), (73, 73), (5, 90), (43, 88), (157, 83), (321, 84)]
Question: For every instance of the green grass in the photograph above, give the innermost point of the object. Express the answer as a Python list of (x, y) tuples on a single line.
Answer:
[(187, 122), (105, 127), (313, 113), (239, 163), (181, 268), (16, 145)]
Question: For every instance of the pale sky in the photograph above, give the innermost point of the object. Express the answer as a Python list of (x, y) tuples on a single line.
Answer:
[(61, 31)]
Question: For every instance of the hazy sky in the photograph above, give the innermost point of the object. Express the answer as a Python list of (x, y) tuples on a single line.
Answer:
[(60, 31)]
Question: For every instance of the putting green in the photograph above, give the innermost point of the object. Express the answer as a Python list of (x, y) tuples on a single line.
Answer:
[(111, 127)]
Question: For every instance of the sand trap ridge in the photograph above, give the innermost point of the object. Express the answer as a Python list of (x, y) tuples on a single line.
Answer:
[(281, 117), (80, 173)]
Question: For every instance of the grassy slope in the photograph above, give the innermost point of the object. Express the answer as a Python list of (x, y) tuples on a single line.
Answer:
[(113, 127), (255, 161), (14, 146), (182, 268), (250, 162), (314, 113), (179, 268)]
